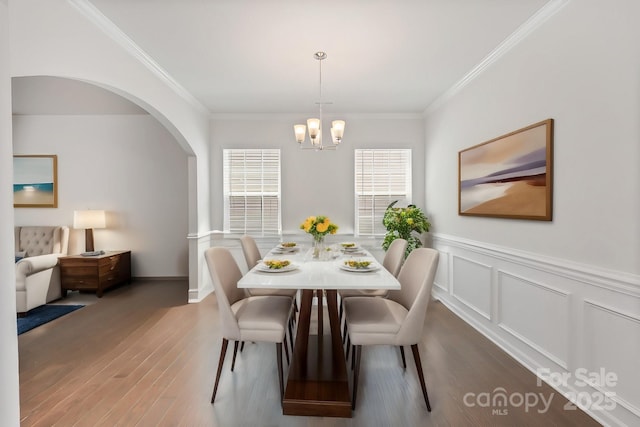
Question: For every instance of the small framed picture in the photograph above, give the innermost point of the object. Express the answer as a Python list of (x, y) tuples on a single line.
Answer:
[(35, 183)]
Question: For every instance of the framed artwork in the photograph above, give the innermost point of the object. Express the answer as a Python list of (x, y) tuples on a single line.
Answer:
[(509, 176), (35, 182)]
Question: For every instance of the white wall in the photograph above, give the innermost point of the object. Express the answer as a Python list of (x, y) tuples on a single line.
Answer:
[(9, 396), (316, 183), (128, 165), (580, 68), (73, 39), (563, 294)]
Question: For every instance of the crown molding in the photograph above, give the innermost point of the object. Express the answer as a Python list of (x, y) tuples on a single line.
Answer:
[(297, 116), (529, 26), (108, 27)]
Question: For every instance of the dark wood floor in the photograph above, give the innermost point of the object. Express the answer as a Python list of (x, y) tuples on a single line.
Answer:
[(142, 356)]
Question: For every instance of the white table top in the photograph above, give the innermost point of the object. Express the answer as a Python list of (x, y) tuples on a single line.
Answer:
[(315, 274)]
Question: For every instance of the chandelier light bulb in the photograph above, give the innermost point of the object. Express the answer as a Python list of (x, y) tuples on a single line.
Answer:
[(314, 128), (337, 130), (300, 131)]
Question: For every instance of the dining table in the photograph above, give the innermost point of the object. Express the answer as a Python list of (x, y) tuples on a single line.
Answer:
[(318, 383)]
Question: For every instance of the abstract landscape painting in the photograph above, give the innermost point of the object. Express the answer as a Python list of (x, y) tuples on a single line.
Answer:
[(509, 176), (34, 181)]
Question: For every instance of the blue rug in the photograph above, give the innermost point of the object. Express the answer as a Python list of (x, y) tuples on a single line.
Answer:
[(43, 314)]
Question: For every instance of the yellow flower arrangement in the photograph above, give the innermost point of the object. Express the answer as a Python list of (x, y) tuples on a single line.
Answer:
[(319, 226)]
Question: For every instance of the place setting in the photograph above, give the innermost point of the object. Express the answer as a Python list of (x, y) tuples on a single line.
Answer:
[(359, 265), (285, 248), (351, 248), (276, 266)]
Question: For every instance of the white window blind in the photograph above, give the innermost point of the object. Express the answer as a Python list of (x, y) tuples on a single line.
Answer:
[(252, 191), (381, 176)]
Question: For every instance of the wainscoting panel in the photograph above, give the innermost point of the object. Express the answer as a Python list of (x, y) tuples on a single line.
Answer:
[(556, 317), (520, 301), (442, 274), (472, 285), (609, 328)]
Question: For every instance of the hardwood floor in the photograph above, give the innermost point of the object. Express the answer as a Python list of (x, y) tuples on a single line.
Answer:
[(141, 355)]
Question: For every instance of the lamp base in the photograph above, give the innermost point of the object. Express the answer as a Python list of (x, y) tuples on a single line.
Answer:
[(88, 240)]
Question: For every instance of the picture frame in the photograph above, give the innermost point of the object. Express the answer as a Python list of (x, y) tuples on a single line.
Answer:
[(35, 181), (510, 176)]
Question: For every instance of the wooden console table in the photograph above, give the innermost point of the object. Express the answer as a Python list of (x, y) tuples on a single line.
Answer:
[(95, 273)]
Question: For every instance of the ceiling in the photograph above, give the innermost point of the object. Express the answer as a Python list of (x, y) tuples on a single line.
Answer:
[(256, 56)]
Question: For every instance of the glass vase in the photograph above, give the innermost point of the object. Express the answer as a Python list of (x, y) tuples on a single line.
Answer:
[(318, 247)]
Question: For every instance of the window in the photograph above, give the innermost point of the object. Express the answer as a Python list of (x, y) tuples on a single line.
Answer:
[(381, 177), (252, 191)]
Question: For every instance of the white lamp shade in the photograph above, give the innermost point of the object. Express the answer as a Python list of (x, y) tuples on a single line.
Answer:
[(333, 136), (89, 219), (300, 131), (314, 127), (337, 127)]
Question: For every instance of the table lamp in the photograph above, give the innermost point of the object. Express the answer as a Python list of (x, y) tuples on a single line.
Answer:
[(89, 219)]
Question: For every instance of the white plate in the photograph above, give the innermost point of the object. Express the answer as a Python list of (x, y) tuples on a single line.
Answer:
[(282, 250), (262, 267), (278, 251), (371, 267), (287, 248), (350, 248), (356, 253)]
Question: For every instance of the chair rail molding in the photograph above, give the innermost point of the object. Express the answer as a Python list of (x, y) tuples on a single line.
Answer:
[(609, 279), (552, 315)]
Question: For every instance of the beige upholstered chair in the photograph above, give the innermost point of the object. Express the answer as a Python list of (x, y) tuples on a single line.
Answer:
[(392, 261), (244, 317), (397, 320), (252, 257), (37, 273)]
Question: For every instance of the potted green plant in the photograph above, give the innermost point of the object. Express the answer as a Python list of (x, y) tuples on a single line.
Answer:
[(406, 223)]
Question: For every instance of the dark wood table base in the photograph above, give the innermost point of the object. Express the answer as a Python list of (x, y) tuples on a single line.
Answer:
[(318, 384)]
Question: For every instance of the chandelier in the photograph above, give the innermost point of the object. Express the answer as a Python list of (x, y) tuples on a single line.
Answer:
[(315, 124)]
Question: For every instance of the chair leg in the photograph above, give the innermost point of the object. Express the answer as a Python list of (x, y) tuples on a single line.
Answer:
[(286, 348), (344, 332), (242, 347), (348, 347), (235, 351), (223, 351), (353, 358), (416, 358), (404, 361), (341, 310), (291, 334), (357, 353), (320, 295), (280, 376), (291, 339)]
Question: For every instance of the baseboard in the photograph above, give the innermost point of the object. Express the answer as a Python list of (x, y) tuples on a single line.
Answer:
[(160, 278)]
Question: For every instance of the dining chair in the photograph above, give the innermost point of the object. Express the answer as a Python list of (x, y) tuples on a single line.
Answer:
[(252, 257), (397, 320), (392, 261), (244, 317)]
